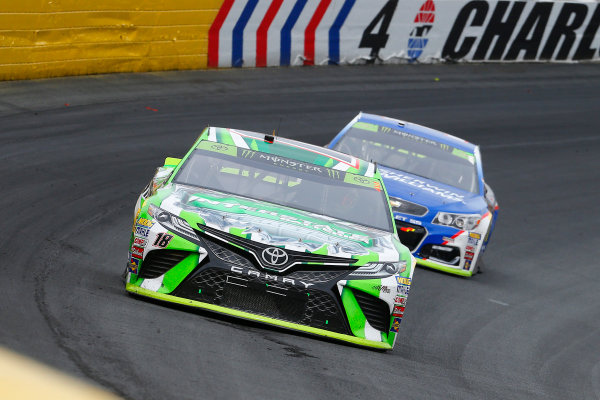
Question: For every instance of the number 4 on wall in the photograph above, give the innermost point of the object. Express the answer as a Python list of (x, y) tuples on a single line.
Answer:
[(377, 41)]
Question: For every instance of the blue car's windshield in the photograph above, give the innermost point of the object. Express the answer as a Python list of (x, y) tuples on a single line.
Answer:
[(417, 155)]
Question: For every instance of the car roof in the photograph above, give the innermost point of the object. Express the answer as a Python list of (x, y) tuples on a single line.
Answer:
[(416, 129), (290, 148)]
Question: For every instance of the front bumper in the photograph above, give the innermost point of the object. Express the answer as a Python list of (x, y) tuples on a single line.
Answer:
[(220, 277), (258, 318), (463, 248)]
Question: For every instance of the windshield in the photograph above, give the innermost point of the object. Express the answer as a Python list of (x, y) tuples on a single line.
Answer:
[(288, 182), (411, 153)]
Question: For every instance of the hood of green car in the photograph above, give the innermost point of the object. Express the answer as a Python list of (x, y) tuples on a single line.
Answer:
[(275, 225)]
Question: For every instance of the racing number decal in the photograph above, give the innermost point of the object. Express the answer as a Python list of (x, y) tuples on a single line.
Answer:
[(162, 240), (377, 41)]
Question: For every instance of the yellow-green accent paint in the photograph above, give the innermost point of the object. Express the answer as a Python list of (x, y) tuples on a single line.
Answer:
[(365, 126), (450, 270), (172, 161)]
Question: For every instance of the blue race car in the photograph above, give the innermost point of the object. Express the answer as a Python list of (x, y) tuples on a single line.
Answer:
[(443, 209)]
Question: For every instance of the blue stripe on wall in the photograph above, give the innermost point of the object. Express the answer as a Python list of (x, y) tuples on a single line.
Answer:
[(334, 32), (286, 32), (237, 50)]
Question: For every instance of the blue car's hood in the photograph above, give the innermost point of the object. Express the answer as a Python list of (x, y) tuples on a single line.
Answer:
[(432, 194)]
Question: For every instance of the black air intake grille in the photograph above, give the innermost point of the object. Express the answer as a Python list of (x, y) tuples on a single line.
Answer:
[(227, 255), (409, 234), (317, 276), (376, 310), (441, 253), (157, 262), (257, 295)]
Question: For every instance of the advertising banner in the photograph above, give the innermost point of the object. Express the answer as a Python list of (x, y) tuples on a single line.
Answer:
[(258, 33)]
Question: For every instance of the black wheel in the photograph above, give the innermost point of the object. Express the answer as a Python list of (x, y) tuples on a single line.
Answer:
[(480, 265)]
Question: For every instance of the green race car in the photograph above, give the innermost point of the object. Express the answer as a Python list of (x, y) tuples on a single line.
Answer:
[(276, 231)]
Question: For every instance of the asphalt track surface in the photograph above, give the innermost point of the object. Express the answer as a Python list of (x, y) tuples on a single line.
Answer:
[(75, 153)]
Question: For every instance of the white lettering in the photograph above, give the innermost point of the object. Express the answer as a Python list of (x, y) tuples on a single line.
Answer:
[(272, 277), (255, 273), (237, 270)]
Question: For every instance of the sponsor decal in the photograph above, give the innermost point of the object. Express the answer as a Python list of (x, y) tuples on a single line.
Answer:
[(475, 235), (467, 265), (403, 290), (398, 310), (421, 184), (469, 255), (395, 324), (133, 265), (269, 277), (139, 241), (536, 30), (253, 33), (403, 281), (405, 219), (137, 252), (162, 240), (400, 300), (470, 248), (141, 231), (423, 24), (284, 218), (382, 288), (472, 242), (145, 222)]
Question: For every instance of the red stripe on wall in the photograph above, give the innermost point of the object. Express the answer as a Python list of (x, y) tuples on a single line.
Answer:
[(213, 33), (309, 33), (261, 33)]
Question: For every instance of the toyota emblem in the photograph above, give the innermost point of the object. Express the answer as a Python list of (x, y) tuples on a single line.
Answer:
[(274, 256)]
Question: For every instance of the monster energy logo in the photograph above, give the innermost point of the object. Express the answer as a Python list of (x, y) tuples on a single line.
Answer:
[(246, 153), (335, 174), (289, 163)]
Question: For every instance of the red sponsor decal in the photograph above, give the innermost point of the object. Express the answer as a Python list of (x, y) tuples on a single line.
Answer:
[(400, 300), (139, 241), (137, 252), (398, 311), (469, 255)]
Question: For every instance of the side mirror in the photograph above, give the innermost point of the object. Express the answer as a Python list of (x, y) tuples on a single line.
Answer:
[(161, 175)]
